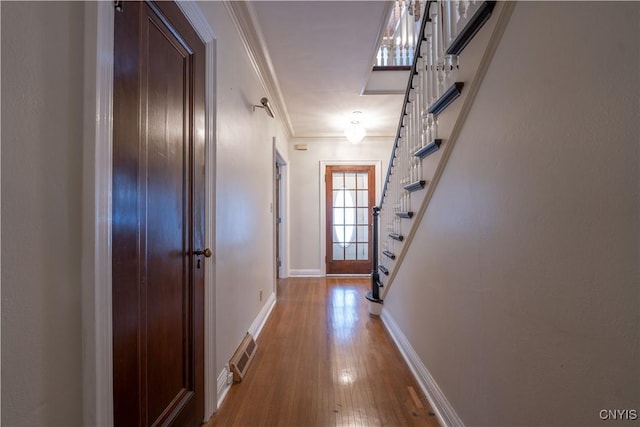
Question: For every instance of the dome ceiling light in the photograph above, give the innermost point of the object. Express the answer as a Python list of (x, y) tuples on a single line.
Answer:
[(355, 131)]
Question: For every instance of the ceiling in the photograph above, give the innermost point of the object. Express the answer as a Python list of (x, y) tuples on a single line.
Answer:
[(320, 55)]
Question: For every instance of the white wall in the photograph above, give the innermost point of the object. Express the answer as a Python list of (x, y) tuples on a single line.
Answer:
[(42, 63), (305, 198), (520, 292), (245, 188)]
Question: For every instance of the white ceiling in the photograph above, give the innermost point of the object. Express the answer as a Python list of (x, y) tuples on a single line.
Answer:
[(321, 54)]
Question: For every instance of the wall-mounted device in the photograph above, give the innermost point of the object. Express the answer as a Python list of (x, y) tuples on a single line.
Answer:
[(266, 106)]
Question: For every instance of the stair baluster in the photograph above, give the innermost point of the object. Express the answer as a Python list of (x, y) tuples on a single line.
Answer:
[(446, 28)]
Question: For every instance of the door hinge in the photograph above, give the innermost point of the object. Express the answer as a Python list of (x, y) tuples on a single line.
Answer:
[(279, 220), (118, 5), (279, 177)]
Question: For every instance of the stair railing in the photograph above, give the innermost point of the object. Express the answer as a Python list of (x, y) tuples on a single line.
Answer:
[(446, 29), (399, 39)]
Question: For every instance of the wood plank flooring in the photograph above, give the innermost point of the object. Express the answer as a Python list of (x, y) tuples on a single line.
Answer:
[(322, 361)]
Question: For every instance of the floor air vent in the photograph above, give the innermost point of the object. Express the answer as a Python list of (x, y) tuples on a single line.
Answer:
[(242, 358)]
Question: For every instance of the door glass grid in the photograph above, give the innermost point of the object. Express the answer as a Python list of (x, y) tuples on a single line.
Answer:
[(350, 216)]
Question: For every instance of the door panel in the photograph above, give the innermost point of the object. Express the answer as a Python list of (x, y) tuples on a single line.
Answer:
[(158, 213), (278, 218), (350, 192), (167, 207)]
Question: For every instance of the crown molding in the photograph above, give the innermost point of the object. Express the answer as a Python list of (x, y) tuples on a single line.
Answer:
[(243, 18), (342, 138)]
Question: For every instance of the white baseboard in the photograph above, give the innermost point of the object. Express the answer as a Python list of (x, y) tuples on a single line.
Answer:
[(441, 406), (223, 385), (256, 327), (261, 319), (305, 273)]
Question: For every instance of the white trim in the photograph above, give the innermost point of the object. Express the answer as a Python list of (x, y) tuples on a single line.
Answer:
[(196, 18), (199, 23), (223, 385), (97, 353), (97, 335), (323, 202), (263, 315), (441, 406), (243, 17), (283, 271), (305, 273)]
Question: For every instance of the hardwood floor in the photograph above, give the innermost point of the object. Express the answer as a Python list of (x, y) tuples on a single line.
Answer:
[(323, 361)]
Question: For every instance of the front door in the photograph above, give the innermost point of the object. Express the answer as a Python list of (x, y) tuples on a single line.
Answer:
[(158, 217), (350, 192)]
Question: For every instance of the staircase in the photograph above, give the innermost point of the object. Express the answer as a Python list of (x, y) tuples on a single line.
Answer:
[(511, 247), (444, 79)]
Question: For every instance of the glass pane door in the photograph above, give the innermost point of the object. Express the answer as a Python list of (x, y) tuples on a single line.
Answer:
[(350, 195)]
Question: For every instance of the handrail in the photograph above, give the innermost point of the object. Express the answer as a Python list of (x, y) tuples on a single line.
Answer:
[(374, 295), (425, 19), (455, 39), (433, 85)]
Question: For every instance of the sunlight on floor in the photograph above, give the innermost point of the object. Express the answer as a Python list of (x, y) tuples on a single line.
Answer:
[(343, 313)]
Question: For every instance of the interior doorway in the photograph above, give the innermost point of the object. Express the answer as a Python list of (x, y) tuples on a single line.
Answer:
[(280, 216), (158, 217), (98, 358)]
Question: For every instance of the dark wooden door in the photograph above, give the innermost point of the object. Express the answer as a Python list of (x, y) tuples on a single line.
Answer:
[(158, 217), (350, 192)]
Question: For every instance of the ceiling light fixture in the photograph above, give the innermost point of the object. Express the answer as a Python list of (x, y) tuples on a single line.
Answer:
[(354, 131)]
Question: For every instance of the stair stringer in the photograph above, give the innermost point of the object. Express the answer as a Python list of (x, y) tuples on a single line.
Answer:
[(451, 123)]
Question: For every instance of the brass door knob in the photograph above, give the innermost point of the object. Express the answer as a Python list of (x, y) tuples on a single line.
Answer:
[(206, 252)]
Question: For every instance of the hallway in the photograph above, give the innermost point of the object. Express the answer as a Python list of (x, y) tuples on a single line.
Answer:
[(322, 361)]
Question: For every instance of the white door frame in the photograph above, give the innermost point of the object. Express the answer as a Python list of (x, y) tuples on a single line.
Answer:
[(323, 202), (97, 334), (283, 270)]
